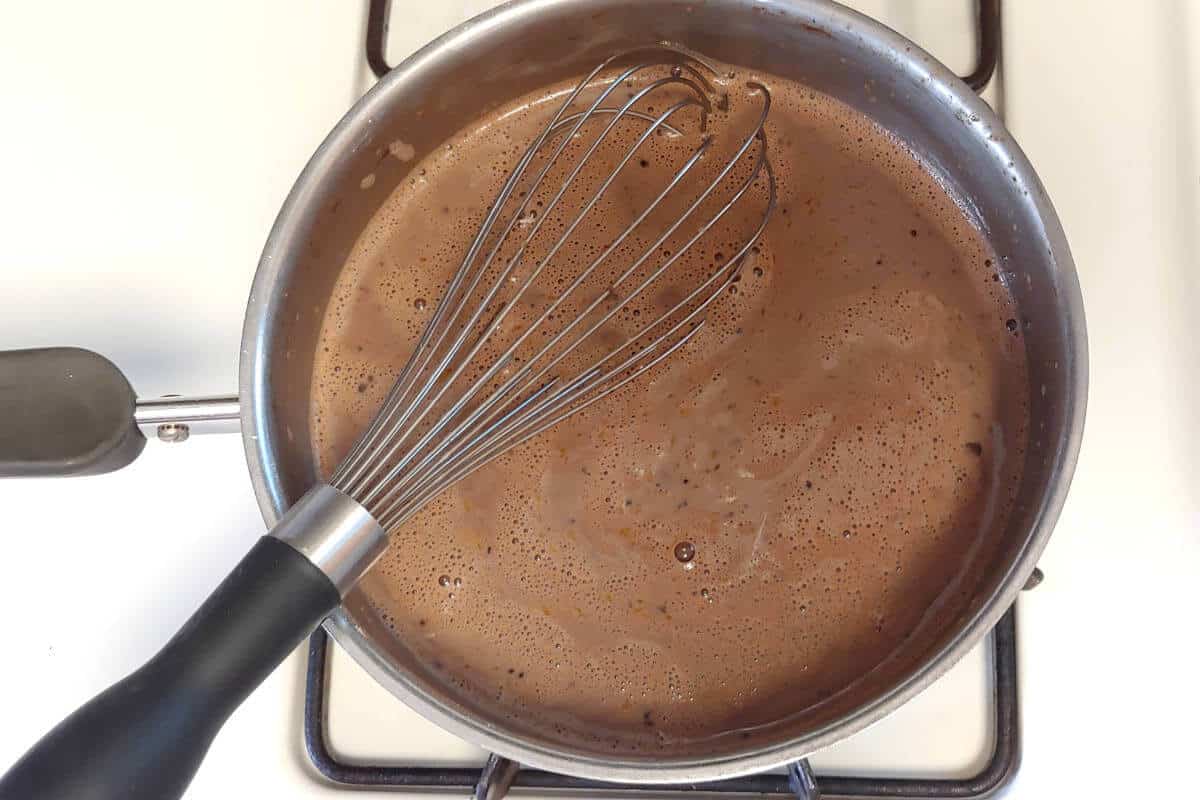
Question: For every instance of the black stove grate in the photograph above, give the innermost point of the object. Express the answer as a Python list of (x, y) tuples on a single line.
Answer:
[(987, 41), (500, 775)]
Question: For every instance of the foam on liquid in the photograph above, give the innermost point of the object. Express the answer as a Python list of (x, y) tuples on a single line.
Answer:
[(749, 529)]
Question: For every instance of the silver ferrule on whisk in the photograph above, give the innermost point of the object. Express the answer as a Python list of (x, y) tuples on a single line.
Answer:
[(335, 533)]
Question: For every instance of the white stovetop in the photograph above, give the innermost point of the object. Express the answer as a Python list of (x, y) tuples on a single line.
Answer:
[(145, 150)]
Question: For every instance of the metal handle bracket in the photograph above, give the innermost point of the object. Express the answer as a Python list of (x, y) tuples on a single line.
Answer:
[(174, 418)]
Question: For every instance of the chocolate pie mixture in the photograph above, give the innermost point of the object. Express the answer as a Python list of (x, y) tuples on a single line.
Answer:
[(756, 524)]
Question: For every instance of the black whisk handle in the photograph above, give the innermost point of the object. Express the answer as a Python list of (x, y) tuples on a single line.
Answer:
[(144, 737)]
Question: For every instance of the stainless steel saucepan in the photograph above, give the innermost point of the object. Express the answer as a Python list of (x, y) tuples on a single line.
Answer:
[(497, 56)]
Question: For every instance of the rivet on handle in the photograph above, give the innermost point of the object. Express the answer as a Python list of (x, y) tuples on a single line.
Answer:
[(173, 432)]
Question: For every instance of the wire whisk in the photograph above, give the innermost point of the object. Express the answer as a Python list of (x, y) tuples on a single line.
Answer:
[(478, 383), (543, 318)]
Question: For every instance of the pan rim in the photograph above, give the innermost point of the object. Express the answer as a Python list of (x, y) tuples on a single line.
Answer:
[(255, 405)]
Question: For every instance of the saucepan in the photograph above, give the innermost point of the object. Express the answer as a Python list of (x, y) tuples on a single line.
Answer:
[(495, 57)]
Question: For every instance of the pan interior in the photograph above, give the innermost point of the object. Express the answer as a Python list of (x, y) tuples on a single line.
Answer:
[(523, 47)]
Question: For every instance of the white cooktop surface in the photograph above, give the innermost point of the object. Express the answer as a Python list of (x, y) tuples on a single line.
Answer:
[(145, 153)]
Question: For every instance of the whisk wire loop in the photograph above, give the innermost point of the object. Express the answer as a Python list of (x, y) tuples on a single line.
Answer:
[(458, 404)]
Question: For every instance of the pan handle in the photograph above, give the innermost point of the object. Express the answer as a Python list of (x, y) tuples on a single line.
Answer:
[(144, 737), (67, 411)]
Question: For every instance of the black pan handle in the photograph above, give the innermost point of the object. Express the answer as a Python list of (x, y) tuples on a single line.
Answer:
[(64, 411), (143, 738)]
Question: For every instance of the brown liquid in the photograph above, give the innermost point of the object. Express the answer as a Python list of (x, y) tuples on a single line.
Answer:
[(761, 522)]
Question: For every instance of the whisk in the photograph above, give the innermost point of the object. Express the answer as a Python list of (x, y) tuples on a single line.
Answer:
[(476, 386), (434, 427)]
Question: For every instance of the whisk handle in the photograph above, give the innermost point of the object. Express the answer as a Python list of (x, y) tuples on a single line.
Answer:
[(145, 736)]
